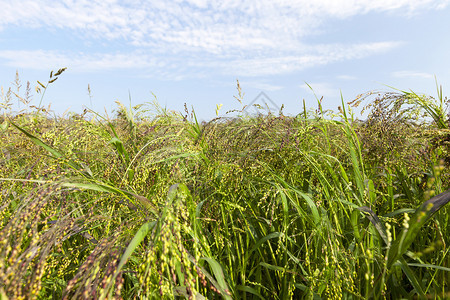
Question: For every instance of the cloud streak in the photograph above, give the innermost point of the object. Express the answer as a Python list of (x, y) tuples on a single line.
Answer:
[(161, 65), (321, 89), (251, 39)]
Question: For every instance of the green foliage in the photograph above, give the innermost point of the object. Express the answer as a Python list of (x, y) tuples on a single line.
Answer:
[(154, 204)]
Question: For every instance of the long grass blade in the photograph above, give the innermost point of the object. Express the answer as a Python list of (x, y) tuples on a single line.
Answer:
[(135, 242), (373, 218), (250, 290), (429, 266), (55, 153), (219, 276), (412, 278), (421, 216)]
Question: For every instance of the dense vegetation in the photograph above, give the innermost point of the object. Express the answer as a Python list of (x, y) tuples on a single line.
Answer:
[(152, 203)]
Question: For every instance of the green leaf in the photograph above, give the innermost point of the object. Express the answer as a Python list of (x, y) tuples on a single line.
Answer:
[(118, 144), (379, 226), (219, 276), (100, 187), (272, 267), (399, 212), (306, 197), (408, 235), (308, 290), (264, 239), (412, 278), (38, 142), (354, 221), (137, 239), (250, 290), (430, 266), (55, 153), (312, 206)]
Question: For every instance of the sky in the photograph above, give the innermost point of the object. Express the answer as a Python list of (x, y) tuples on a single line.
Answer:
[(194, 51)]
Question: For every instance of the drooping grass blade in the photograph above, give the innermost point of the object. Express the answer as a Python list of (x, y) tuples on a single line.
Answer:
[(421, 216)]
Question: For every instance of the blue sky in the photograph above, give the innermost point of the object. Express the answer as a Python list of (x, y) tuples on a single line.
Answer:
[(193, 51)]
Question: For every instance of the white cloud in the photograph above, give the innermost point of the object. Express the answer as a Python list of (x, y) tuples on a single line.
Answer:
[(173, 67), (346, 77), (321, 89), (250, 38), (211, 26), (145, 65), (41, 59), (412, 74), (312, 56)]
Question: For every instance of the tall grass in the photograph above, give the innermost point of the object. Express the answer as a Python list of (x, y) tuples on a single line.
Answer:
[(155, 204)]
